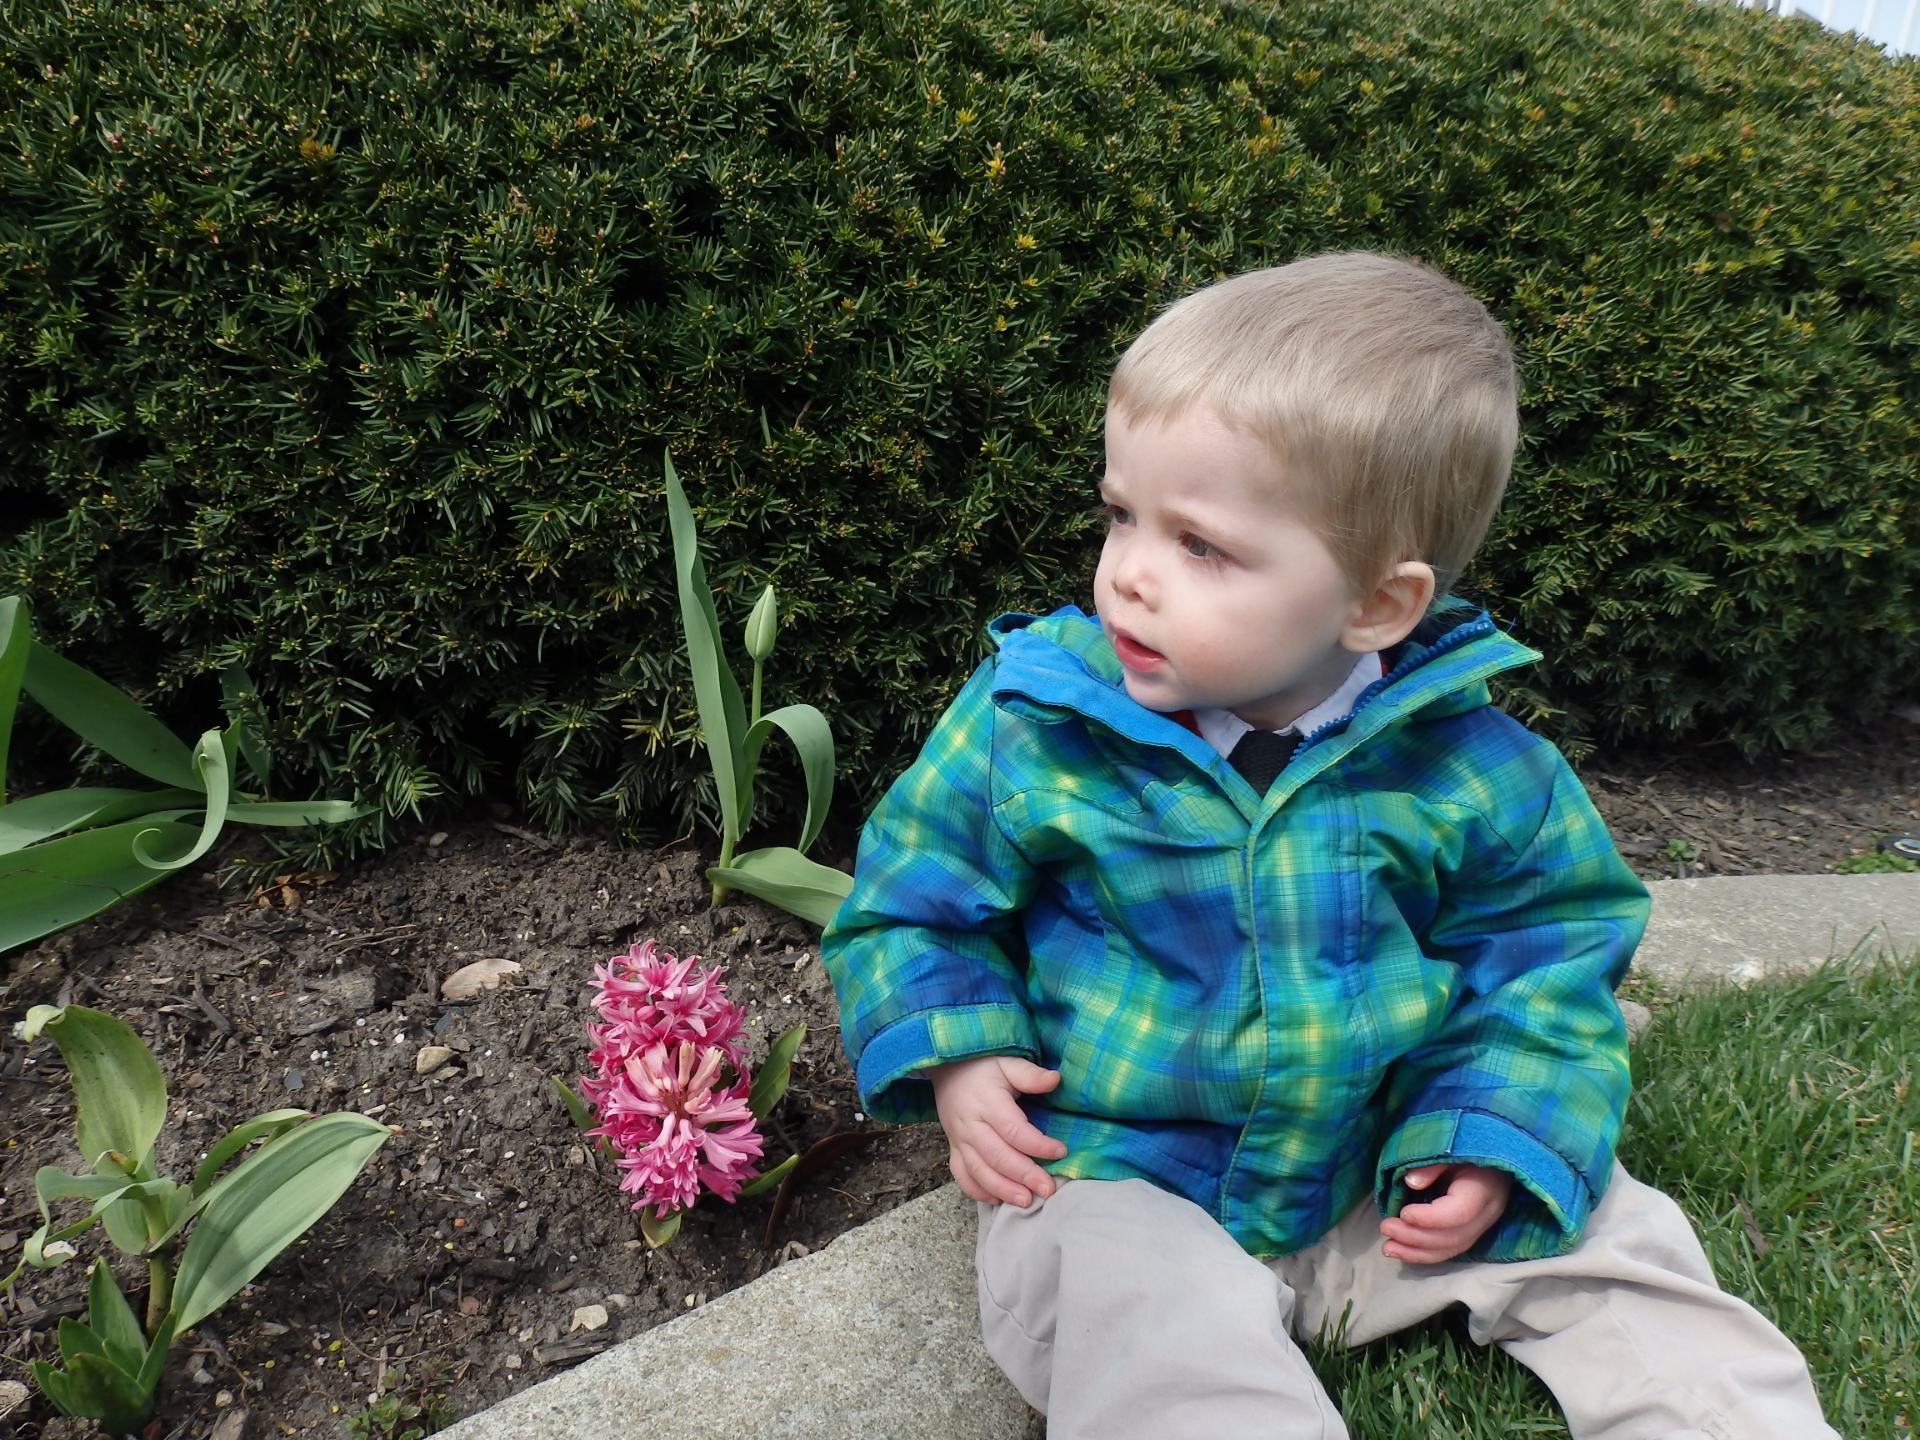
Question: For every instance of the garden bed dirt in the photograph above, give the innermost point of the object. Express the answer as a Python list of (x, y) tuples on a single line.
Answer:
[(486, 1245)]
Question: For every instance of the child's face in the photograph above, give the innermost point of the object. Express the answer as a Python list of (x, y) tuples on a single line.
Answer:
[(1212, 586)]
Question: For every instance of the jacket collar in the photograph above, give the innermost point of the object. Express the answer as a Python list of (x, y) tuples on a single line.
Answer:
[(1064, 661)]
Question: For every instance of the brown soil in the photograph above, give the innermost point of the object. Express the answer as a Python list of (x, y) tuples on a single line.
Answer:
[(461, 1258)]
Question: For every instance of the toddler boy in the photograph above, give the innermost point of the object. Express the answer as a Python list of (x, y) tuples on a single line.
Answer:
[(1259, 972)]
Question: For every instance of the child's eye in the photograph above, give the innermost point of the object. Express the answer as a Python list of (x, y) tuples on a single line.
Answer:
[(1200, 549), (1114, 514)]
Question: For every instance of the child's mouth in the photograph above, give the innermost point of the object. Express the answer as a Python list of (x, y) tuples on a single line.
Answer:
[(1133, 654)]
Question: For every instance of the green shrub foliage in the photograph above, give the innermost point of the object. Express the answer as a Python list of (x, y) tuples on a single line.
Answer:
[(344, 341)]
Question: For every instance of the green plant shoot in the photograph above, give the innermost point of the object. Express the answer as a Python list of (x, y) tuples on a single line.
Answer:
[(735, 735), (240, 1219), (69, 854)]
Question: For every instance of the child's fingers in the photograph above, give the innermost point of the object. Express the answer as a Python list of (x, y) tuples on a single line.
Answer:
[(1422, 1176), (1002, 1173), (1027, 1077), (1027, 1138)]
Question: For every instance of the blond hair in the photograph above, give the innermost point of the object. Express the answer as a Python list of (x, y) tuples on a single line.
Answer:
[(1385, 391)]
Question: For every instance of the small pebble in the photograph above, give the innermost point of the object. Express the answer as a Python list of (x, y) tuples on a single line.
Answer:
[(431, 1058), (437, 839), (1638, 1018), (295, 1080), (589, 1317), (223, 1399)]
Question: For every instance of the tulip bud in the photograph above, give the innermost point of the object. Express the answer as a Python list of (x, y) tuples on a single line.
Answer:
[(761, 626)]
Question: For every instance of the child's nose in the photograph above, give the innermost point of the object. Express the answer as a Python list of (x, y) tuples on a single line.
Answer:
[(1133, 574)]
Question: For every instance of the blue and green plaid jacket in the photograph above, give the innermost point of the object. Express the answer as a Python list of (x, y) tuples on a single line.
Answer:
[(1404, 953)]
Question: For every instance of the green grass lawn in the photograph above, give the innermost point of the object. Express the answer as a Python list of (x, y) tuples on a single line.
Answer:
[(1783, 1118)]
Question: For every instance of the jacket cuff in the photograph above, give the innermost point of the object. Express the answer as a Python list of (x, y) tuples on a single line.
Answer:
[(1550, 1204), (888, 1073)]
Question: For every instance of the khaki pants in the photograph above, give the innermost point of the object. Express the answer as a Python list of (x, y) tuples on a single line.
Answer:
[(1119, 1310)]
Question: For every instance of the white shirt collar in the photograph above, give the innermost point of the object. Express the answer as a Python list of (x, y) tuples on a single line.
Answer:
[(1222, 729)]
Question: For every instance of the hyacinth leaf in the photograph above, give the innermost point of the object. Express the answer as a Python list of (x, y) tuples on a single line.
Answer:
[(576, 1107), (658, 1232), (211, 765), (54, 1384), (76, 1340), (770, 1080), (148, 1380), (783, 876), (252, 1214), (15, 638), (118, 1090), (812, 739), (107, 717), (768, 1180), (236, 692), (41, 817), (94, 1388), (111, 1318), (723, 718), (261, 1127)]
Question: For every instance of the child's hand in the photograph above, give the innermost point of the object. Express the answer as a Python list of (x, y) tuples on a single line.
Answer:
[(992, 1144), (1439, 1229)]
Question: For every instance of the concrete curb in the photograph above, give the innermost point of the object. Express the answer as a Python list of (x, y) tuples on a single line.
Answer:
[(877, 1336)]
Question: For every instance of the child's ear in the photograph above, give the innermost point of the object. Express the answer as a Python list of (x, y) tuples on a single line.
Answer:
[(1388, 615)]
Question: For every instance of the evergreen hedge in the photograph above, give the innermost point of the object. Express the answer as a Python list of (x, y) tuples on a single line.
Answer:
[(344, 341)]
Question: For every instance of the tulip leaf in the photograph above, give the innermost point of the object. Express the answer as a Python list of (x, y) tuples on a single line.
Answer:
[(296, 812), (770, 1080), (16, 636), (49, 1185), (261, 1127), (812, 738), (119, 1092), (108, 718), (39, 817), (236, 693), (723, 718), (254, 1213), (64, 881), (210, 764), (783, 876)]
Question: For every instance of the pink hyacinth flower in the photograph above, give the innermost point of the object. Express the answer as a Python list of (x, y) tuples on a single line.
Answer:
[(669, 1040), (677, 1129), (650, 996)]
